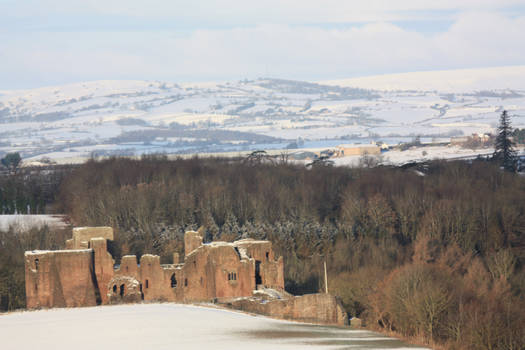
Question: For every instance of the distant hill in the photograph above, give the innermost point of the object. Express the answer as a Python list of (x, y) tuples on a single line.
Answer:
[(458, 80), (104, 118)]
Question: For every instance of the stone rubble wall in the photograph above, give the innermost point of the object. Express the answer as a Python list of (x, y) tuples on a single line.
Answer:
[(313, 308)]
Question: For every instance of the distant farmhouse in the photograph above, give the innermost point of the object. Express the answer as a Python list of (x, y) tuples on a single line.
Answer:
[(357, 150), (475, 138), (244, 274)]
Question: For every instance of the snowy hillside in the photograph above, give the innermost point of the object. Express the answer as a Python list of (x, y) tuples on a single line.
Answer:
[(136, 117), (458, 81), (171, 326)]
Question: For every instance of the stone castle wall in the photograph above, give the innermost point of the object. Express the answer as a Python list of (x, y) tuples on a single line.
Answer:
[(218, 270), (59, 279), (86, 275), (313, 308), (82, 236), (192, 241)]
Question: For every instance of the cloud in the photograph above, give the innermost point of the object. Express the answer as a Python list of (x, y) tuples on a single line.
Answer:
[(483, 39), (241, 12), (474, 40), (310, 52)]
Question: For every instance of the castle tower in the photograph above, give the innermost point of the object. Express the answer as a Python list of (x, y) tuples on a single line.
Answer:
[(192, 241)]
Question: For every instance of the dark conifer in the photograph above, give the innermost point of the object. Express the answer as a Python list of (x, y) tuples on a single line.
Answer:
[(504, 152)]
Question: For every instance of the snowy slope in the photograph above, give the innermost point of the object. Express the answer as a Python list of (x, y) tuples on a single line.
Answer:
[(136, 117), (172, 326), (459, 80)]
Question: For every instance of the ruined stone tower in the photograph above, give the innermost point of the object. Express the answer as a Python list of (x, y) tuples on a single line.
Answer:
[(244, 274), (85, 273)]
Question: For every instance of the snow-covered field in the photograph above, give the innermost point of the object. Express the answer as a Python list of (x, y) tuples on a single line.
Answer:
[(173, 326), (420, 154), (27, 222)]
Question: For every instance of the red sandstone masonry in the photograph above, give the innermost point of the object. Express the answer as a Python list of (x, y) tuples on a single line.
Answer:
[(313, 308), (217, 271), (82, 236), (59, 278)]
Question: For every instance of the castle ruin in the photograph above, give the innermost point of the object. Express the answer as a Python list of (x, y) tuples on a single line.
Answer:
[(232, 274)]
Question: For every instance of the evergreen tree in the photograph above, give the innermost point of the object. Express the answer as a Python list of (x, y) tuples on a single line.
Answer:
[(504, 152), (11, 160)]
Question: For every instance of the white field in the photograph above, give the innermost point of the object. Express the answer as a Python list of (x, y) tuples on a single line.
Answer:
[(397, 157), (173, 326), (27, 222)]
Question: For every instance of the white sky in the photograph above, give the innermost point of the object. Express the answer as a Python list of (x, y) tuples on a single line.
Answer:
[(46, 42)]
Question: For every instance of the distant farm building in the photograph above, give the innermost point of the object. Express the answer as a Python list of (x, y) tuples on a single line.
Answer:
[(476, 138), (458, 140), (357, 150)]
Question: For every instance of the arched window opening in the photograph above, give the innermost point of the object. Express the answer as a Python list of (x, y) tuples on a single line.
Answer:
[(147, 284), (267, 256), (185, 282), (122, 290), (115, 289), (36, 264), (173, 281)]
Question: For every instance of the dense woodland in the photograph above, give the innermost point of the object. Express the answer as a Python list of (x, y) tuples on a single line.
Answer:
[(436, 255)]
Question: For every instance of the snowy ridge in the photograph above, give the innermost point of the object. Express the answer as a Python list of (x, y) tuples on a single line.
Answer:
[(459, 80), (138, 117)]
